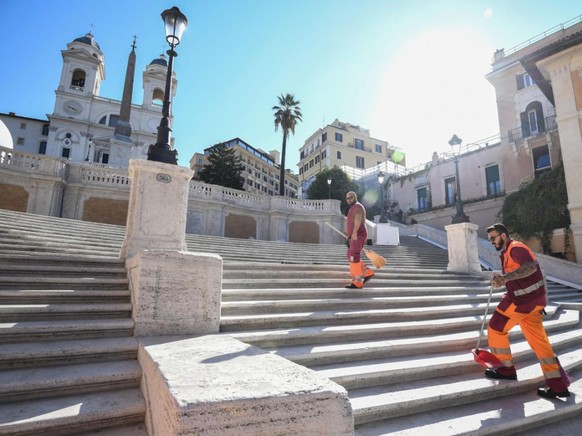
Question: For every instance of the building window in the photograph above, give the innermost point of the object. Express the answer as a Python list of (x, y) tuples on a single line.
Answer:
[(20, 141), (110, 120), (66, 153), (378, 148), (22, 126), (316, 159), (541, 160), (493, 182), (533, 122), (360, 162), (339, 137), (42, 148), (523, 81), (450, 191), (323, 154), (422, 199), (78, 80), (358, 144), (310, 163), (45, 130), (339, 155), (324, 137), (105, 158)]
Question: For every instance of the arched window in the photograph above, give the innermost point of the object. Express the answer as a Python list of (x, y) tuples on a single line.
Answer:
[(78, 80), (109, 120), (532, 119), (158, 97)]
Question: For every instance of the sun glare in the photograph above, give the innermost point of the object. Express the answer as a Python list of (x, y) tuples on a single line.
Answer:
[(434, 87)]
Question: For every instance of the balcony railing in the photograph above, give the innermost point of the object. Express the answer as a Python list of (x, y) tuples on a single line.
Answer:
[(521, 133)]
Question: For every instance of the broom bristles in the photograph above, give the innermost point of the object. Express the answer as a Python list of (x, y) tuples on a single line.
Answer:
[(377, 260)]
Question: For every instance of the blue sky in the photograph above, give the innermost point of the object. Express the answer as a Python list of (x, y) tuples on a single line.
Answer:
[(411, 71)]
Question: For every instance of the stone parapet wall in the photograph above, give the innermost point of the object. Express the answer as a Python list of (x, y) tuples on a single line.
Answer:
[(95, 192)]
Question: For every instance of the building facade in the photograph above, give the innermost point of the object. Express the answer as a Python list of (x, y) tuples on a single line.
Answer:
[(261, 171), (86, 127), (539, 99), (340, 145)]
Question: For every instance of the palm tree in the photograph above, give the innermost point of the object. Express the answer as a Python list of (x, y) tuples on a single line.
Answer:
[(287, 113)]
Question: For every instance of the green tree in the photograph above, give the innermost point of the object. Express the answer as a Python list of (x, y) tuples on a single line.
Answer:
[(538, 208), (287, 114), (223, 168), (340, 185)]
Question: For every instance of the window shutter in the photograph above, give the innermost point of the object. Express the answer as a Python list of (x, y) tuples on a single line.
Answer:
[(525, 131)]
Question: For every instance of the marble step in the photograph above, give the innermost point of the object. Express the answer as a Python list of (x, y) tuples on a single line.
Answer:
[(73, 414)]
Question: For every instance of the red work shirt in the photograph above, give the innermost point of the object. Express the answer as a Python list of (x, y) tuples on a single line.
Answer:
[(355, 209)]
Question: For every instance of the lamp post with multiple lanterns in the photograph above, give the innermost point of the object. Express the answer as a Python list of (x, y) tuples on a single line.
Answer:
[(175, 23), (460, 216)]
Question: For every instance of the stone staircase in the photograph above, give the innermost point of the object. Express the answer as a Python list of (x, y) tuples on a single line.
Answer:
[(401, 347)]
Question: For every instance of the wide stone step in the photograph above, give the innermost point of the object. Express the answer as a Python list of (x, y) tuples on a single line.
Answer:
[(343, 273), (299, 282), (372, 303), (456, 405), (73, 414), (37, 312), (249, 294), (35, 383), (231, 323), (43, 282), (52, 296), (393, 370), (61, 260), (62, 271), (52, 353), (61, 330), (340, 352)]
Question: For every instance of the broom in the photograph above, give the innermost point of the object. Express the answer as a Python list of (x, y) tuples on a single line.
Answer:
[(377, 260)]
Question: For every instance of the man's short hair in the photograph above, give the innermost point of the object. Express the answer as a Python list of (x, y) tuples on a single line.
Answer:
[(499, 227)]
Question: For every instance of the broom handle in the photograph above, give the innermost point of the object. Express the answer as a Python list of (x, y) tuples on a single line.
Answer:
[(332, 227), (485, 317)]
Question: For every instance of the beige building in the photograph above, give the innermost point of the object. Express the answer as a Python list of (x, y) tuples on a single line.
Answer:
[(261, 169), (341, 145), (539, 100)]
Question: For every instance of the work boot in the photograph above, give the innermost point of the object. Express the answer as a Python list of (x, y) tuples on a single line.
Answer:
[(549, 393), (501, 373), (368, 273), (357, 276)]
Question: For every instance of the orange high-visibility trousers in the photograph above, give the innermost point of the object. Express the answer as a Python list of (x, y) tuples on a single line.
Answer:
[(359, 272), (504, 319)]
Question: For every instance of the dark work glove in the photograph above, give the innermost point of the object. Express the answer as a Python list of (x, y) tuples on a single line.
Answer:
[(348, 242)]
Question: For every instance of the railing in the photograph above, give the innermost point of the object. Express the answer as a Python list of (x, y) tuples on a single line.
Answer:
[(519, 134), (543, 35), (33, 163)]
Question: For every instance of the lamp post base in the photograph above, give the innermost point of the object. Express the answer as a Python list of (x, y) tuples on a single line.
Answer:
[(460, 218), (162, 154)]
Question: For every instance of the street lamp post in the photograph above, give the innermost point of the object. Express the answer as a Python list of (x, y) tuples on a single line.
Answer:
[(460, 216), (329, 188), (381, 182), (175, 24)]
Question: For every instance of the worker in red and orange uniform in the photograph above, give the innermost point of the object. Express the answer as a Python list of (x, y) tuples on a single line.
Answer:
[(522, 304), (357, 237)]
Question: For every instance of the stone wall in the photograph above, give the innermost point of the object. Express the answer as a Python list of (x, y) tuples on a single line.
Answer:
[(94, 192)]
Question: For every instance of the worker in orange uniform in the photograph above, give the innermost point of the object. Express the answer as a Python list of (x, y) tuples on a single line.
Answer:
[(522, 304), (357, 236)]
